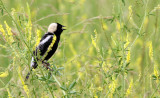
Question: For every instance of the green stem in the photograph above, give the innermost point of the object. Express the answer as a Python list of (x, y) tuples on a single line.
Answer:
[(155, 91), (58, 83), (141, 25), (114, 54)]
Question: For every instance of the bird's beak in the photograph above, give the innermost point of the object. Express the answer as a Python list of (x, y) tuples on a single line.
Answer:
[(63, 28)]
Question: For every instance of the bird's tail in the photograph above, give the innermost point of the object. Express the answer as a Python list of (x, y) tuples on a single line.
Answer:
[(27, 76), (33, 65)]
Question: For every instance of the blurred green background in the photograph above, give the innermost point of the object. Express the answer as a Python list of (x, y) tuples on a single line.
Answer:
[(107, 69)]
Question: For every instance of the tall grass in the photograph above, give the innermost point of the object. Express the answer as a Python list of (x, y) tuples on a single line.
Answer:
[(110, 48)]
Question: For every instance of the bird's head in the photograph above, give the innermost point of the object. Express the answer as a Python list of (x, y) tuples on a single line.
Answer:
[(56, 28)]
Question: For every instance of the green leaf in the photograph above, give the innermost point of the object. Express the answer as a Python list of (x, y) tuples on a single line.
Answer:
[(42, 78), (129, 69), (119, 88), (60, 68), (51, 81), (2, 12), (154, 77), (63, 88), (49, 75), (120, 61), (123, 2), (127, 64), (72, 92), (72, 84), (19, 93)]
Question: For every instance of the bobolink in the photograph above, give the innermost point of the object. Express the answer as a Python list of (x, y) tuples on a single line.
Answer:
[(47, 46)]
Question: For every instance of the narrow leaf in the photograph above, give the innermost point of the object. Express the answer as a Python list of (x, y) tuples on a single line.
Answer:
[(123, 2), (63, 88), (72, 84)]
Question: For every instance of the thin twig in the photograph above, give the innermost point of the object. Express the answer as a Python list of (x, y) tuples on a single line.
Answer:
[(50, 16), (91, 19)]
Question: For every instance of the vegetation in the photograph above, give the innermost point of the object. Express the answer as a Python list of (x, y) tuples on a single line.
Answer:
[(110, 48)]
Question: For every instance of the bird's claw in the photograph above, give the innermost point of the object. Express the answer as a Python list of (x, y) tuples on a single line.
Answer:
[(47, 65)]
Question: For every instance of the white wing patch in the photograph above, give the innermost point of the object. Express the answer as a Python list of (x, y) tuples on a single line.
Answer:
[(45, 40), (32, 62)]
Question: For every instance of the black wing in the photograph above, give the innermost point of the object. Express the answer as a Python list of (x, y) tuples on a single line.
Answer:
[(44, 36), (44, 44)]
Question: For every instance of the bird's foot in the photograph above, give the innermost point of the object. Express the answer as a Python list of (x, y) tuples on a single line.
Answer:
[(47, 65)]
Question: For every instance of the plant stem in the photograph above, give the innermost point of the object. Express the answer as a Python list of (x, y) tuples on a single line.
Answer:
[(58, 83)]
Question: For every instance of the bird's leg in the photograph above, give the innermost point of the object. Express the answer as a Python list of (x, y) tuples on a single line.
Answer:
[(47, 65)]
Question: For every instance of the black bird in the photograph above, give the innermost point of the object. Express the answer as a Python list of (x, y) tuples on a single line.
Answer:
[(47, 46)]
